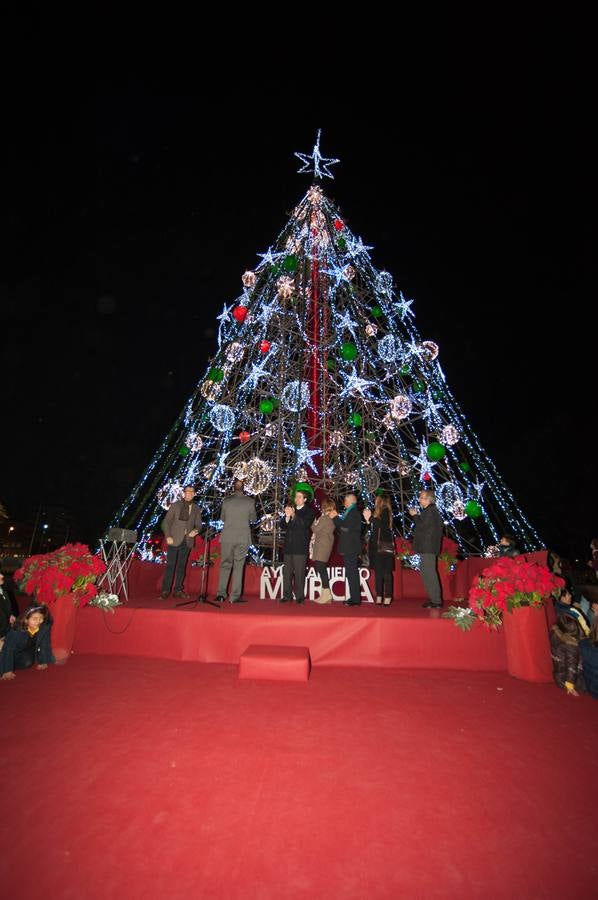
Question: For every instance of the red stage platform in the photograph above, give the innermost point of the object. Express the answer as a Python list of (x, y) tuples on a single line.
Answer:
[(399, 636)]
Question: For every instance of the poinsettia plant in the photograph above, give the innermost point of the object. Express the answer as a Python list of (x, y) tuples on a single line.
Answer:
[(505, 585), (72, 569)]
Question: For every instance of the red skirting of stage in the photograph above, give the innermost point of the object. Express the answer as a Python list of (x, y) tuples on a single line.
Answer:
[(400, 636)]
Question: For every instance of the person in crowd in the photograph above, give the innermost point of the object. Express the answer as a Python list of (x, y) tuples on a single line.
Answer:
[(8, 614), (27, 643), (508, 547), (238, 512), (321, 547), (181, 525), (427, 541), (382, 548), (565, 606), (588, 649), (296, 523), (566, 659), (593, 562), (348, 527)]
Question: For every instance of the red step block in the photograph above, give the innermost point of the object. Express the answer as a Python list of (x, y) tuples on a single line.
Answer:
[(275, 663)]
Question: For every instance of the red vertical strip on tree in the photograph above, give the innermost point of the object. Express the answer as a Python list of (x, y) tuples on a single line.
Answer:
[(314, 380)]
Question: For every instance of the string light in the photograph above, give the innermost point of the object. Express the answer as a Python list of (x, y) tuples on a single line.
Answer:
[(258, 476), (428, 350), (295, 396), (400, 407), (211, 390), (194, 442), (449, 435), (222, 417), (286, 287)]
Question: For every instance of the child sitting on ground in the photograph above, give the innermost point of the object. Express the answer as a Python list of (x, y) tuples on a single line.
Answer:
[(27, 643), (566, 659)]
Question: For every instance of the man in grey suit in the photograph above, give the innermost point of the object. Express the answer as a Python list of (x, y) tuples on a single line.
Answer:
[(181, 525), (238, 512)]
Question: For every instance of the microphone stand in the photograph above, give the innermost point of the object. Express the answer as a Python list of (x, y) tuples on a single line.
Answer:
[(203, 590)]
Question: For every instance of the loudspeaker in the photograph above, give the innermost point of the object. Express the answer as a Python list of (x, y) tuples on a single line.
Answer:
[(122, 535)]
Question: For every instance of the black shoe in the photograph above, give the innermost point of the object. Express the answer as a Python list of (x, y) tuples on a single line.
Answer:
[(285, 600), (299, 602), (429, 605), (181, 595), (238, 600), (220, 598), (164, 595), (352, 602)]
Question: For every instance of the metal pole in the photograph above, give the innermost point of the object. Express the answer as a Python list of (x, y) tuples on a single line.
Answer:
[(34, 532)]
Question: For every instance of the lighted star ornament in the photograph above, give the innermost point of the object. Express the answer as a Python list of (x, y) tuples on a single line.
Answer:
[(316, 163), (304, 454)]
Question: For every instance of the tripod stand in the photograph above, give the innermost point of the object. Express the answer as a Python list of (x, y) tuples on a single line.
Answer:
[(202, 597)]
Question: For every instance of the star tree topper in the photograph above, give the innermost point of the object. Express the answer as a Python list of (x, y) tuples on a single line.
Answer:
[(316, 163)]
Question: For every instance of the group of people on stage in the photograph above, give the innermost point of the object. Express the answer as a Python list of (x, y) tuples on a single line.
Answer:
[(307, 536)]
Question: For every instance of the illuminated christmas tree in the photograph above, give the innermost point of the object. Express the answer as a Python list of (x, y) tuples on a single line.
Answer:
[(321, 379)]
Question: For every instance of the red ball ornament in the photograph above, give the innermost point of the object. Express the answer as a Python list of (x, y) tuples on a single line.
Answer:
[(264, 346), (244, 437), (339, 225), (240, 313), (426, 477)]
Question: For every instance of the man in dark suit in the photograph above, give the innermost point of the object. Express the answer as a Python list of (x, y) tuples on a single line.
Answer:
[(238, 512), (296, 522), (427, 540), (348, 526), (181, 526)]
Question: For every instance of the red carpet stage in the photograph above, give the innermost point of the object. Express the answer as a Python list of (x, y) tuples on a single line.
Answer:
[(144, 778), (402, 635)]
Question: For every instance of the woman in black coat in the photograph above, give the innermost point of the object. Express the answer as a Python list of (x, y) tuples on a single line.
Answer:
[(381, 548), (28, 643)]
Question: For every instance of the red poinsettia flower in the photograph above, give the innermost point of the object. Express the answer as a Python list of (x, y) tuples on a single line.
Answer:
[(508, 583), (71, 569)]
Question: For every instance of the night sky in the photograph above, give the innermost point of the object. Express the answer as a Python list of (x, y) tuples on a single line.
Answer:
[(133, 215)]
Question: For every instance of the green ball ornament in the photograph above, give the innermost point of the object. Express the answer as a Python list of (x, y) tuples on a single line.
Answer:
[(437, 395), (183, 451), (379, 492), (473, 509), (349, 351), (419, 387), (304, 487), (435, 451), (290, 263), (405, 370), (215, 375), (276, 269), (355, 419), (376, 311), (465, 467), (331, 365), (341, 244), (266, 406)]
